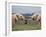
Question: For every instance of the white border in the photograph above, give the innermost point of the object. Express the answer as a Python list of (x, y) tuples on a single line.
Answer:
[(9, 18)]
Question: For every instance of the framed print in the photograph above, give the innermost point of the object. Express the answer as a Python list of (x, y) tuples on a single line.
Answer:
[(23, 17), (27, 17)]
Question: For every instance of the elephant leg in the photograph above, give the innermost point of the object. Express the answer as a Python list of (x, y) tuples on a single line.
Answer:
[(13, 23)]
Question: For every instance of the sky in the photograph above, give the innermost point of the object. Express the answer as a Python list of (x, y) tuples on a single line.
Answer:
[(26, 9)]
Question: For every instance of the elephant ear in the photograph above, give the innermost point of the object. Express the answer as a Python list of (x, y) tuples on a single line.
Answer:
[(17, 16), (39, 18), (23, 17)]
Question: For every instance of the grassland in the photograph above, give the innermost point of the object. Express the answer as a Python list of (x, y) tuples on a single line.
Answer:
[(31, 26)]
